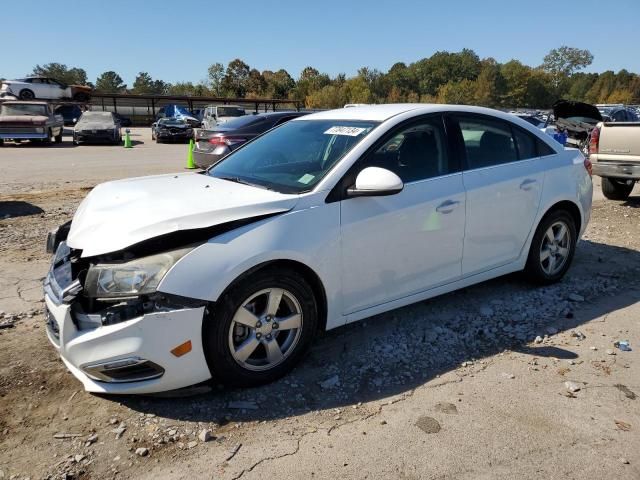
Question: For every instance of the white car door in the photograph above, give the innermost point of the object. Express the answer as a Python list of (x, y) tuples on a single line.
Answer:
[(503, 180), (397, 245)]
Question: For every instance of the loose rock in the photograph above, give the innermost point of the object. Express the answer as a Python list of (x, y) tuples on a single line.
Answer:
[(142, 451), (572, 387), (205, 435)]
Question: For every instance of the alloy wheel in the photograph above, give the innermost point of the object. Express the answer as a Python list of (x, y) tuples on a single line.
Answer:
[(265, 329), (555, 248)]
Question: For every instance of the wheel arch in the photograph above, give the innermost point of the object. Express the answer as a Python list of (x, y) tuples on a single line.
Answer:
[(305, 271), (568, 206)]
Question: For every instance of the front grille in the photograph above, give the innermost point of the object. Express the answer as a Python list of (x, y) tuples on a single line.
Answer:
[(177, 130)]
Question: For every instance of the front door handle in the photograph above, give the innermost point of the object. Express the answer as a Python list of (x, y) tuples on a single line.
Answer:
[(447, 206), (528, 184)]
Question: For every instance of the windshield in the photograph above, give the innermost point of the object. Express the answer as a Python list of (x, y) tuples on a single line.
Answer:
[(96, 117), (23, 109), (294, 157), (230, 112)]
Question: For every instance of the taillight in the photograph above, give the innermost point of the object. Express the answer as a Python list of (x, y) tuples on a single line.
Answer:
[(594, 141), (228, 141), (588, 166)]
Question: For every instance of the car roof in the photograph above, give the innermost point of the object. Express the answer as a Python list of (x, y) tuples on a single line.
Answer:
[(380, 113), (278, 113)]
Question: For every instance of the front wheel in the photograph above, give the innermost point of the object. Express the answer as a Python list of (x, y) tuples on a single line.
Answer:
[(616, 189), (260, 328), (552, 248), (26, 94), (58, 138)]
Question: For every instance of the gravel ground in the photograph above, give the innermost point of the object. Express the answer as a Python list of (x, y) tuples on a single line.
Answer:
[(500, 380)]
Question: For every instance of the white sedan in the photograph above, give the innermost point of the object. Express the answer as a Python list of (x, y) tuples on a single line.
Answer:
[(166, 281), (31, 88)]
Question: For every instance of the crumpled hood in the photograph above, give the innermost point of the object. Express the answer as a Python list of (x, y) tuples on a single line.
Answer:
[(118, 214)]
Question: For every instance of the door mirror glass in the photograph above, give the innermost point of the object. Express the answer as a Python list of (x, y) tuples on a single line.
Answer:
[(375, 181)]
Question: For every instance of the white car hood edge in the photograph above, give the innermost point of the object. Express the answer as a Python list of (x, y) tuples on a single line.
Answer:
[(116, 215)]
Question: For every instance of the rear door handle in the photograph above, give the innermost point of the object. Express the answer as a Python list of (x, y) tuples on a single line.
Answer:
[(528, 184), (447, 206)]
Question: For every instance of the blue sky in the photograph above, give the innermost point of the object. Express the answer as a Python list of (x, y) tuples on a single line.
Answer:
[(176, 40)]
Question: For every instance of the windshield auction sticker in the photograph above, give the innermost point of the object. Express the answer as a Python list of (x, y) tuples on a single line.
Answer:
[(350, 131)]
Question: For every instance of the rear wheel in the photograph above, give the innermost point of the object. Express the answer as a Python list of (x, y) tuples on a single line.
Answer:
[(614, 189), (260, 328), (27, 94), (552, 248)]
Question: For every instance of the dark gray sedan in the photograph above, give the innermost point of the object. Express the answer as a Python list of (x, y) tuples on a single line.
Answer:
[(212, 145), (171, 129), (97, 127)]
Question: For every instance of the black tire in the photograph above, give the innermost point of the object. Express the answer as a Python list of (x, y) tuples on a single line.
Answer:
[(616, 189), (26, 94), (215, 332), (81, 97), (534, 269), (58, 138), (1, 142)]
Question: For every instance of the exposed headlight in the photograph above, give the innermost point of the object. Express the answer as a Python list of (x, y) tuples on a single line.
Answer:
[(137, 277)]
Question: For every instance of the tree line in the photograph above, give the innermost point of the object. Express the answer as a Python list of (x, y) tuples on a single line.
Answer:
[(445, 77)]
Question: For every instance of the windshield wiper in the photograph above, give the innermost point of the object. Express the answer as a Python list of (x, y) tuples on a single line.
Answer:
[(242, 181)]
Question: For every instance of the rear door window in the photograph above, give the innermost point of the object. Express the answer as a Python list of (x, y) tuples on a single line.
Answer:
[(487, 142)]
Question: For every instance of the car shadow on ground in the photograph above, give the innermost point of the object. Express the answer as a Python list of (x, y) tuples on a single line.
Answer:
[(12, 209), (632, 201), (396, 352)]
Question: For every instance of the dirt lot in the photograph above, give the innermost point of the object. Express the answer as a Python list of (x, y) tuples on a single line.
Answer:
[(469, 385)]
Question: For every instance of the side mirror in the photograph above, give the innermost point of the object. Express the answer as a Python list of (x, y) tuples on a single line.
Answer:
[(375, 182)]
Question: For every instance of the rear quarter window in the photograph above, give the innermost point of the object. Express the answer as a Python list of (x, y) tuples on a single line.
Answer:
[(526, 144), (544, 149)]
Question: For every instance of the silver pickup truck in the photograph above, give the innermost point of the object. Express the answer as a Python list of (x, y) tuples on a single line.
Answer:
[(25, 120), (614, 151)]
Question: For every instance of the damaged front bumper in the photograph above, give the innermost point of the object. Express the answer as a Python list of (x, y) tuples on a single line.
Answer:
[(123, 350)]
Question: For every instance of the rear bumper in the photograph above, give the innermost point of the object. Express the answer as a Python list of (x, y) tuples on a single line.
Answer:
[(205, 160), (617, 170)]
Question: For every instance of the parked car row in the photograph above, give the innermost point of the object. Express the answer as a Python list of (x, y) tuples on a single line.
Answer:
[(22, 120)]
